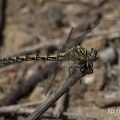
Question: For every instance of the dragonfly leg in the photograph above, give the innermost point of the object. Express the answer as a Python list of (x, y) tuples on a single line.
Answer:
[(70, 74), (83, 67), (86, 67), (70, 68), (70, 71), (90, 68)]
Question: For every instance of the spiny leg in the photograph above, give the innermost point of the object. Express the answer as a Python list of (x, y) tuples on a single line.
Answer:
[(90, 68), (72, 67), (83, 67), (75, 66), (86, 68)]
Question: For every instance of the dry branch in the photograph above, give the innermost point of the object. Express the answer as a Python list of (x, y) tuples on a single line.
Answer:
[(28, 85), (32, 48), (55, 96)]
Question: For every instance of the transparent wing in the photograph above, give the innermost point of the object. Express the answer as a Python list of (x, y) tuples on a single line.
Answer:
[(78, 40), (53, 71)]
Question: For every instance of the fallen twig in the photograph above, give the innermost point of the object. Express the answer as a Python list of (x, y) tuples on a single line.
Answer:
[(54, 97), (103, 103), (9, 67), (27, 86), (32, 48), (25, 109), (59, 108)]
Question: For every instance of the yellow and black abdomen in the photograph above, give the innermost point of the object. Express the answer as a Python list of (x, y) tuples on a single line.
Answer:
[(10, 60)]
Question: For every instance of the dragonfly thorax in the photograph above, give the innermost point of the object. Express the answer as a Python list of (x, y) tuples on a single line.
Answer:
[(77, 53)]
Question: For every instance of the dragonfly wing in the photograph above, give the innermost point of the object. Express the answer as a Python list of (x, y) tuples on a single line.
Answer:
[(53, 73), (54, 70), (66, 45), (78, 40)]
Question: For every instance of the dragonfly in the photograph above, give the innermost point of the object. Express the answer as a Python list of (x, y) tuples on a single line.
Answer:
[(71, 51)]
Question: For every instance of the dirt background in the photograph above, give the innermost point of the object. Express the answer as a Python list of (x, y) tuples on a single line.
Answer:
[(42, 26)]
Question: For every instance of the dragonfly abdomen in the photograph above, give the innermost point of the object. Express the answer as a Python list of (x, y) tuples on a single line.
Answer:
[(51, 57)]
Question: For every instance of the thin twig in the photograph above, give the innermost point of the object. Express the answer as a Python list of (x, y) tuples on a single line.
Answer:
[(103, 103), (54, 97), (22, 109), (28, 85), (31, 48), (25, 109), (8, 67), (59, 108)]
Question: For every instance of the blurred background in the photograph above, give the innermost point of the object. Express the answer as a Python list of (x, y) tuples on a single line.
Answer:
[(42, 27)]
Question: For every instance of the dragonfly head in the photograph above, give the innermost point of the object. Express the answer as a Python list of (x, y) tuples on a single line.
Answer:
[(93, 55)]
